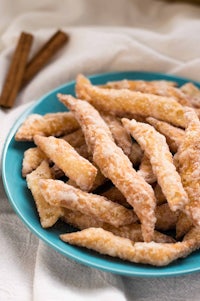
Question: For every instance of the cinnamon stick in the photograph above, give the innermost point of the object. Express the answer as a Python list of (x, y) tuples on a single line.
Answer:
[(44, 55), (16, 70)]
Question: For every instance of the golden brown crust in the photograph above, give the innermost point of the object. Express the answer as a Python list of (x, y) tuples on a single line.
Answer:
[(158, 254), (120, 135), (55, 124), (124, 101), (174, 136), (48, 214), (32, 159), (161, 88), (67, 159), (155, 146), (189, 165), (190, 90), (132, 231), (60, 194), (114, 164)]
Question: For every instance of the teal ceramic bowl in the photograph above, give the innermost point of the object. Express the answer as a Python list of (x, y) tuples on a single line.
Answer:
[(21, 199)]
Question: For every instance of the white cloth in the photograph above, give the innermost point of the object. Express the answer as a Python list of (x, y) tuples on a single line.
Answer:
[(105, 36)]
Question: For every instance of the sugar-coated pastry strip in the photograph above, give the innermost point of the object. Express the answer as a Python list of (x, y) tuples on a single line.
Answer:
[(161, 88), (83, 151), (193, 93), (55, 124), (165, 218), (145, 170), (114, 164), (120, 135), (67, 159), (160, 197), (48, 214), (90, 120), (155, 146), (60, 194), (32, 158), (174, 136), (126, 101), (105, 242), (183, 225), (131, 231), (188, 157), (138, 84)]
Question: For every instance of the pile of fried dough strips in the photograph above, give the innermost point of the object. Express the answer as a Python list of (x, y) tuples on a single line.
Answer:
[(122, 166)]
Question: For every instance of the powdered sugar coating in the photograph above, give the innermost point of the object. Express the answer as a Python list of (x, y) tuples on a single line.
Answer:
[(188, 158), (120, 135), (174, 136), (60, 194), (105, 242), (155, 146), (48, 214), (67, 159), (32, 158), (145, 170), (193, 93), (125, 101), (162, 88), (131, 231), (55, 124), (114, 164)]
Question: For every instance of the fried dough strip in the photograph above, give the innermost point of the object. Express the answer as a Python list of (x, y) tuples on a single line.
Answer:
[(32, 158), (174, 136), (155, 146), (77, 168), (157, 88), (123, 139), (193, 92), (138, 84), (125, 101), (60, 194), (132, 231), (165, 218), (158, 254), (120, 135), (55, 124), (145, 170), (188, 158), (48, 214), (114, 164)]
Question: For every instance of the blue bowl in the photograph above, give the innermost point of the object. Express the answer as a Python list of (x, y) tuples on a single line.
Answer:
[(22, 201)]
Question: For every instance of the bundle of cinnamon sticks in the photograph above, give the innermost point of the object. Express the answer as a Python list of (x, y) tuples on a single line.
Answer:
[(21, 71)]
